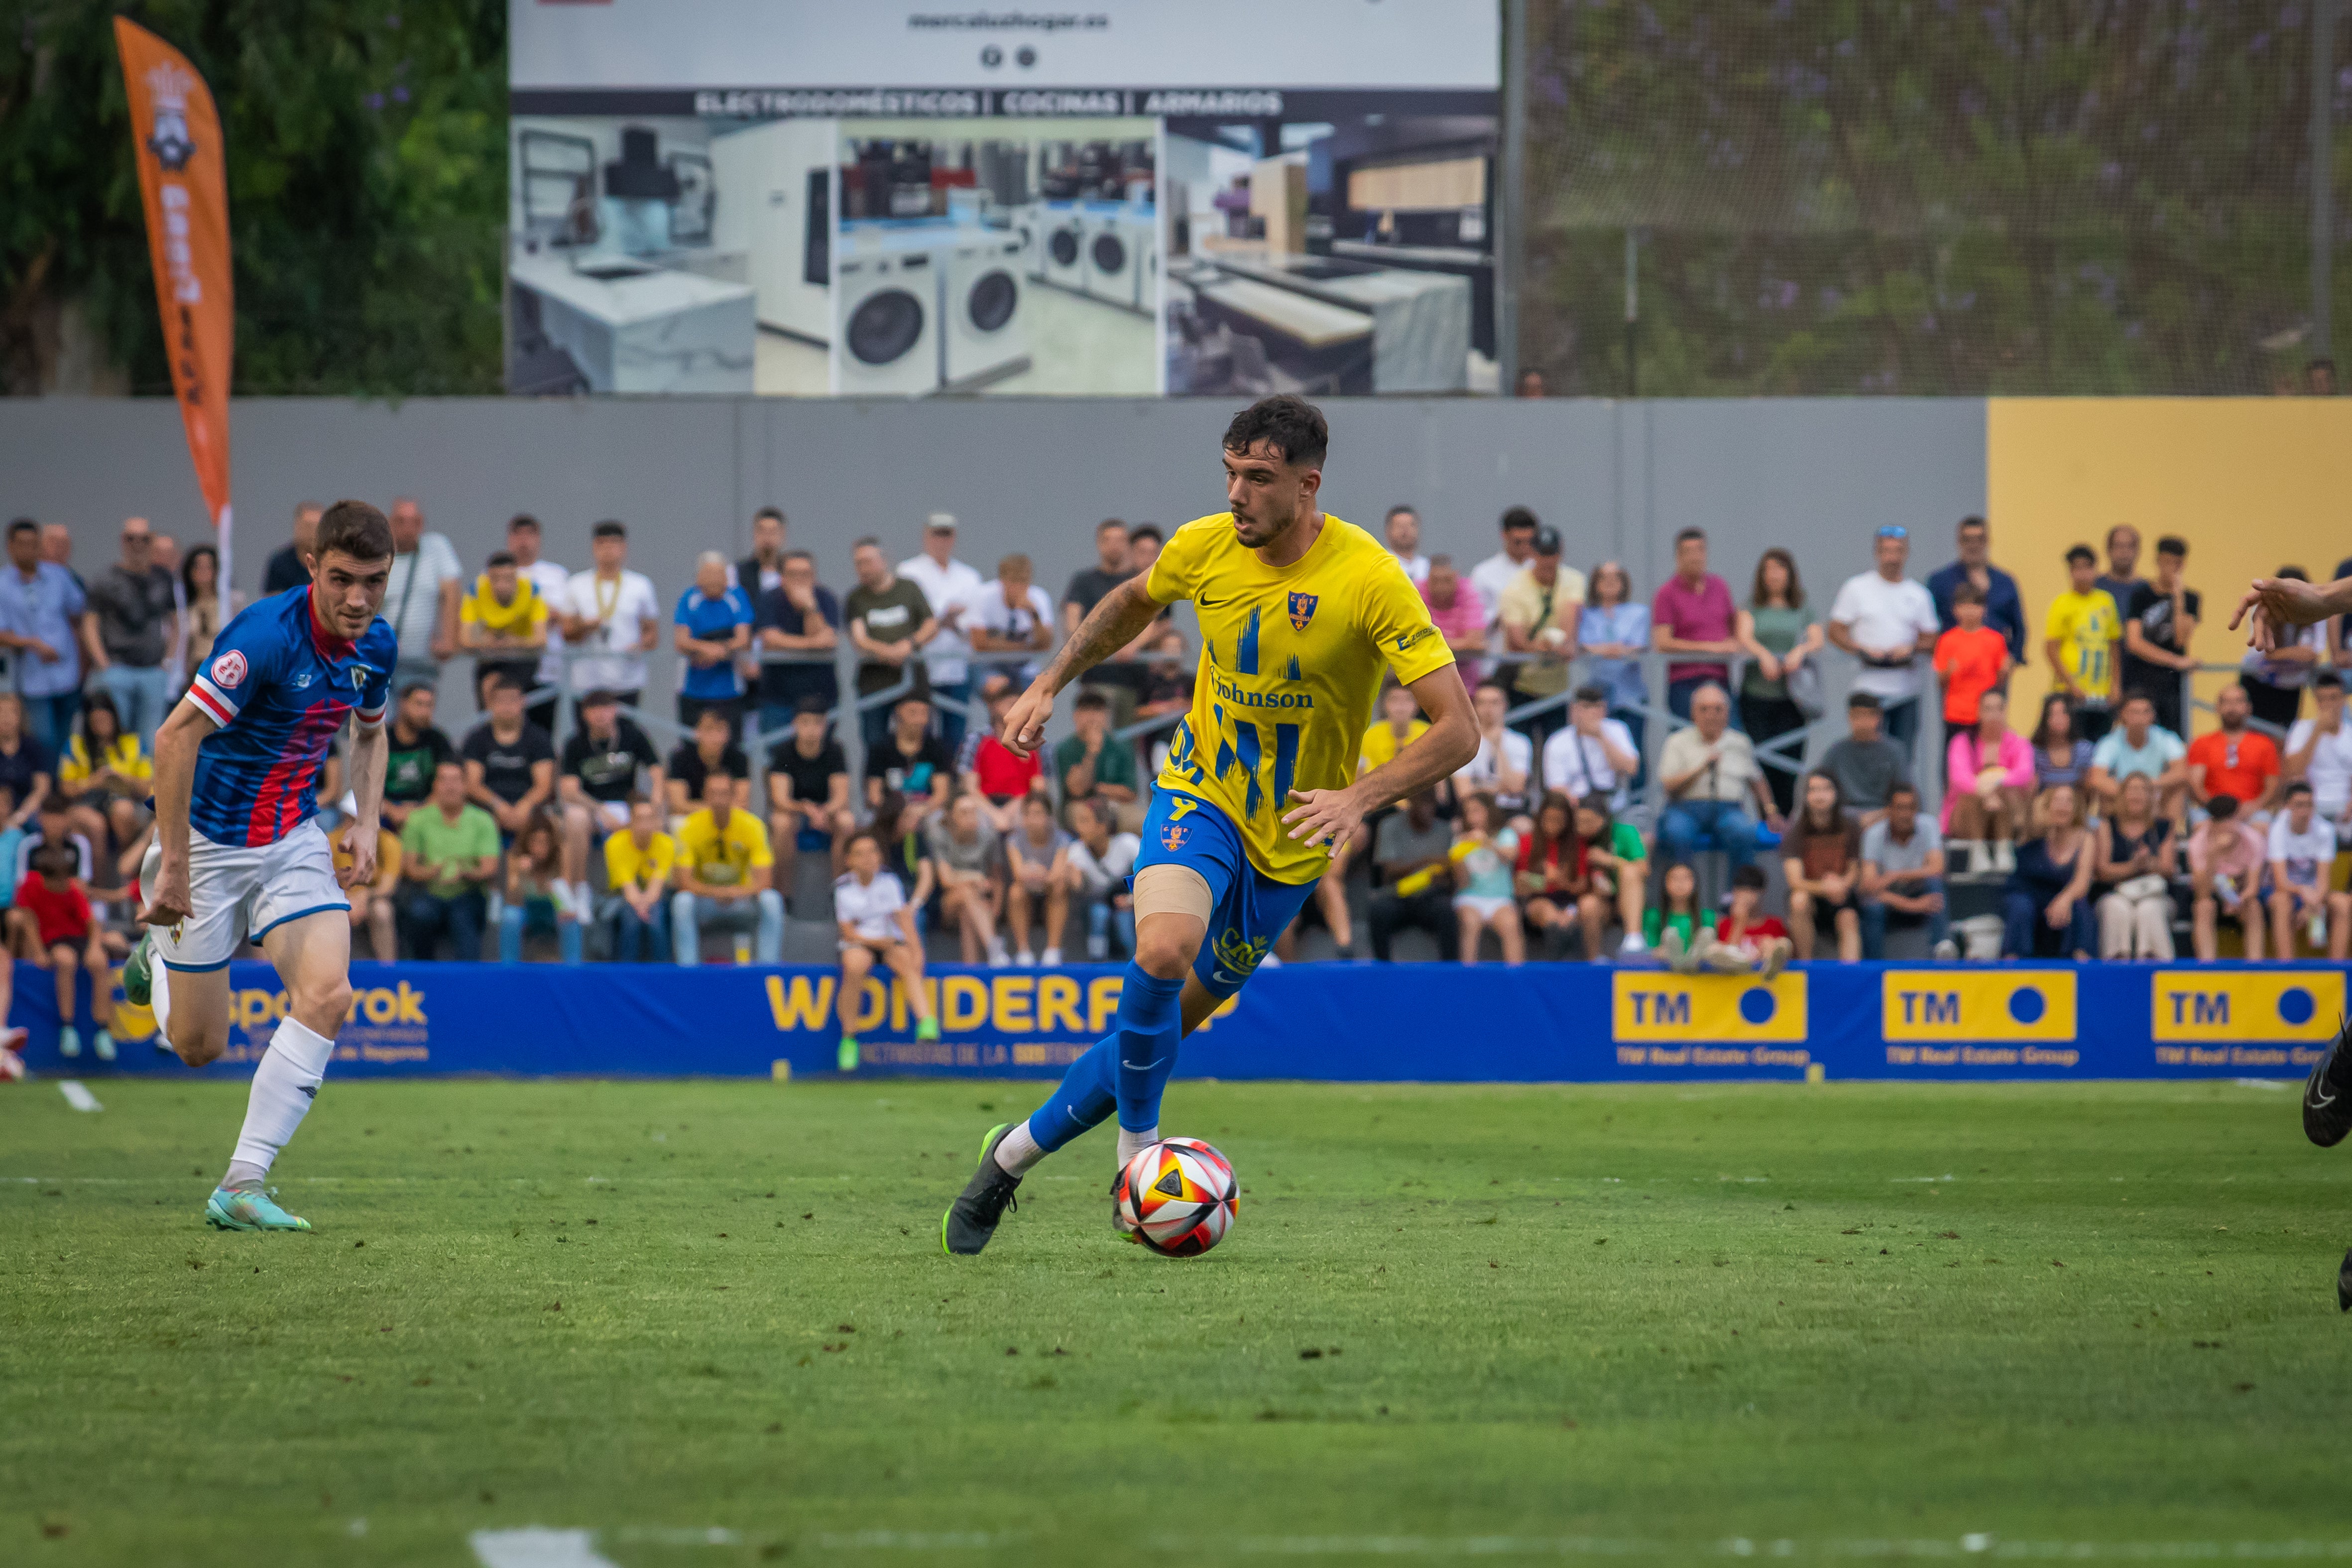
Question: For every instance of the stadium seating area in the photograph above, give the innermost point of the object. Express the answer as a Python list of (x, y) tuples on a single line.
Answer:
[(1659, 779)]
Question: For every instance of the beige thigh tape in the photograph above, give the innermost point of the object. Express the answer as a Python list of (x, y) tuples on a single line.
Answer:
[(1172, 890)]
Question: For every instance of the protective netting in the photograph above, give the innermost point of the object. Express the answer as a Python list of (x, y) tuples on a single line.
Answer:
[(1928, 197)]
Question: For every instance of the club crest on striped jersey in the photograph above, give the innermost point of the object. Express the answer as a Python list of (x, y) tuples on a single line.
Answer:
[(1302, 609)]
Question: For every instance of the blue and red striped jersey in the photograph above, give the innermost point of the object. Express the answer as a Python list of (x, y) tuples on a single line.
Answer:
[(280, 688)]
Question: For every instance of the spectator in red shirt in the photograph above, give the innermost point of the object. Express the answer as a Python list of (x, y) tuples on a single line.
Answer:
[(1747, 937), (2234, 759), (1002, 780), (51, 926), (1692, 613), (1970, 659)]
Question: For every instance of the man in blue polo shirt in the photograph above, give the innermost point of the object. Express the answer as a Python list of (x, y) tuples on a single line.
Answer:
[(41, 611), (2004, 610), (713, 625)]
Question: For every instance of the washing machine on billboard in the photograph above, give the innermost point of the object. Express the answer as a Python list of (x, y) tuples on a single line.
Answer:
[(1027, 222), (1114, 259), (885, 290), (987, 335), (1062, 239)]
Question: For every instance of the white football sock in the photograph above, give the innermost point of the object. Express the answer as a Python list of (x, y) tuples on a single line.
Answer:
[(159, 1000), (1130, 1145), (283, 1087), (1016, 1151)]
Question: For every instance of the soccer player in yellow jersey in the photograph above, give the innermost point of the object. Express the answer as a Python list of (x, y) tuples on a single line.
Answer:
[(1300, 616)]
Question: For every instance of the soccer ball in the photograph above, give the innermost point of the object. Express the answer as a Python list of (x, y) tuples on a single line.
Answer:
[(1176, 1197)]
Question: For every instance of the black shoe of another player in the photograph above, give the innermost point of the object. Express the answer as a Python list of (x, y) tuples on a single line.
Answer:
[(2344, 1285), (2327, 1094), (972, 1218)]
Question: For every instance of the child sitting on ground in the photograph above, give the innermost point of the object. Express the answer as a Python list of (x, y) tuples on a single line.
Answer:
[(1746, 939), (52, 926)]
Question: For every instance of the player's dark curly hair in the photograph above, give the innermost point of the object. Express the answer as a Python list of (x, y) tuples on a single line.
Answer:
[(356, 528), (1289, 424)]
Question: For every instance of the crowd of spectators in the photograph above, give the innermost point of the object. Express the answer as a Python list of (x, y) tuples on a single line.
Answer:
[(1585, 822)]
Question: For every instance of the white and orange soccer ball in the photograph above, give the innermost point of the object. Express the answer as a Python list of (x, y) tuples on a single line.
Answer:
[(1176, 1197)]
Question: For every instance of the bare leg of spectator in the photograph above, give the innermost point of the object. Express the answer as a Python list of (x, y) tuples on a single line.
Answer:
[(2203, 916), (856, 959), (1849, 935), (1469, 925), (2118, 917), (906, 962), (1801, 923), (1592, 912), (1057, 914), (1511, 935), (575, 845), (1017, 901), (2339, 931), (1632, 891), (383, 933)]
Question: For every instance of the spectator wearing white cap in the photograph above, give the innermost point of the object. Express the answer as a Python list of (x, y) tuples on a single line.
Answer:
[(949, 585), (1887, 621)]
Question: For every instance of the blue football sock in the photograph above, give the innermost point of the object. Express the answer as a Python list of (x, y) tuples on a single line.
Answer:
[(1148, 1032), (1087, 1093)]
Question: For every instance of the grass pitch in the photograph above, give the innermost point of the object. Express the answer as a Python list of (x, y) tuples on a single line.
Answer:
[(712, 1323)]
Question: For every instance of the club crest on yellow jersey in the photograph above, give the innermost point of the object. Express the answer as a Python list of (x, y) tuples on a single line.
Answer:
[(1302, 609)]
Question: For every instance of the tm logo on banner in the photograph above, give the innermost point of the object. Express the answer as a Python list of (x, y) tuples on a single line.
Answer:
[(1944, 1018), (1708, 1020)]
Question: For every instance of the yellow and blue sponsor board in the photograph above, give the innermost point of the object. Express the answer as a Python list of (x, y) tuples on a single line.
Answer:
[(1652, 1007), (1940, 1006), (2210, 1006)]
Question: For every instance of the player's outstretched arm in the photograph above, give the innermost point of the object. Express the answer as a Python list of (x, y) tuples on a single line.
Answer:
[(2280, 604), (176, 775), (1116, 622), (1329, 815)]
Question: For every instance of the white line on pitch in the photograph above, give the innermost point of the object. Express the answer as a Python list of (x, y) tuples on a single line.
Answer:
[(77, 1097), (535, 1547)]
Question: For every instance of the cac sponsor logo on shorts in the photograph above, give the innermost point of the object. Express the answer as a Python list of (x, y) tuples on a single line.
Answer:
[(2205, 1006), (1237, 956), (1680, 1008), (1943, 1004), (228, 670)]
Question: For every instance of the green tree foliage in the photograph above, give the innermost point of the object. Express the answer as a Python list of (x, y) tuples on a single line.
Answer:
[(367, 188), (1954, 196)]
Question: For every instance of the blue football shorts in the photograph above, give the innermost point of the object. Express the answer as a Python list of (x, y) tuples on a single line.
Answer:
[(1247, 909)]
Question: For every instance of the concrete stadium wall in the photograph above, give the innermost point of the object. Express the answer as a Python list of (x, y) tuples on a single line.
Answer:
[(1034, 475)]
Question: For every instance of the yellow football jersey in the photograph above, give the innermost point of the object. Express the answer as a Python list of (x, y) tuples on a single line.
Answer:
[(1290, 666)]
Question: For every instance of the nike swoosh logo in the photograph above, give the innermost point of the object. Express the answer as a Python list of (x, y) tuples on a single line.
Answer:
[(1212, 603), (1134, 1067)]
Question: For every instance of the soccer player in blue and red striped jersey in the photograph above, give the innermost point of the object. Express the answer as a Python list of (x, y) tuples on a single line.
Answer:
[(237, 851)]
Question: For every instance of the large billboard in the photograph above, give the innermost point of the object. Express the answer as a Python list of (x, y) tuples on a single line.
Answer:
[(803, 199)]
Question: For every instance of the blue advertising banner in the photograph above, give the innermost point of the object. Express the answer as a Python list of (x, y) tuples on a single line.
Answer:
[(1363, 1022)]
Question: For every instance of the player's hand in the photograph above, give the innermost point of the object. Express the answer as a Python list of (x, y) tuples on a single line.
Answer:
[(1026, 721), (1324, 815), (2276, 604), (168, 902), (361, 872)]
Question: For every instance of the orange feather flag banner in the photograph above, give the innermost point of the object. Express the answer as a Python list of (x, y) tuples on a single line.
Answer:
[(183, 183)]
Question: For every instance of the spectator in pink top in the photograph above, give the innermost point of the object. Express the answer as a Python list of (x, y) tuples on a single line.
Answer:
[(1991, 769), (1693, 612), (1459, 613)]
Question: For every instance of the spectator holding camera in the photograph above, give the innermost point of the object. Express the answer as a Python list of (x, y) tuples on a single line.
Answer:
[(1595, 754)]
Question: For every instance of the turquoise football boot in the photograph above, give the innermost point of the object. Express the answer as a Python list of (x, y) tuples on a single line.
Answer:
[(249, 1211)]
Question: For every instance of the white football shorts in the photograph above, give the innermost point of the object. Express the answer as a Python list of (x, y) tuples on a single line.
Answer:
[(234, 891)]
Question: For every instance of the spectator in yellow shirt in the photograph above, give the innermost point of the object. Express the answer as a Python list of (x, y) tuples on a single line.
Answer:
[(2080, 636), (104, 775), (724, 869), (637, 867), (502, 621)]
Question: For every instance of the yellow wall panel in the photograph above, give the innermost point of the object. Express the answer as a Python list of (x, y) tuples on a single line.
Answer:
[(2251, 483)]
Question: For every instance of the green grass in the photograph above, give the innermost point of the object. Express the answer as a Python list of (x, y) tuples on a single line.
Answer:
[(1551, 1318)]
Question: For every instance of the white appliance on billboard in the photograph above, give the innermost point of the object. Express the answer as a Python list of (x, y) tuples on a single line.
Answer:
[(777, 179), (886, 293), (1110, 248), (1063, 240), (987, 336)]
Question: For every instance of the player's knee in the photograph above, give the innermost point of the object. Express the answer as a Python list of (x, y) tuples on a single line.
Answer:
[(318, 1004), (1163, 956)]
